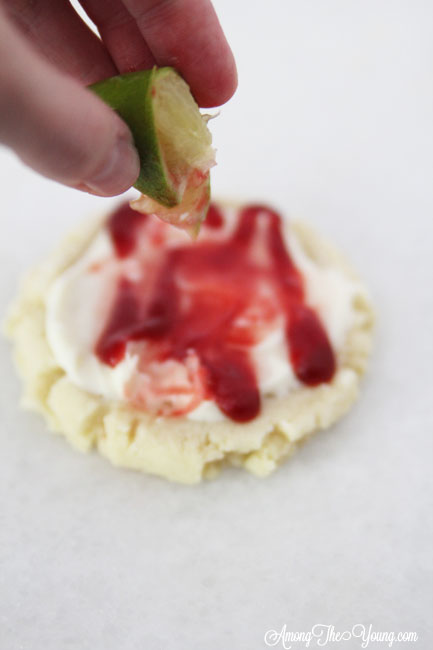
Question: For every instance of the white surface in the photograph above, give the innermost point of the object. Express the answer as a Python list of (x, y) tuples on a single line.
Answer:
[(333, 121)]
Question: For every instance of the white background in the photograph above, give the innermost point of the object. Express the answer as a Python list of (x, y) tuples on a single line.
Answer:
[(333, 121)]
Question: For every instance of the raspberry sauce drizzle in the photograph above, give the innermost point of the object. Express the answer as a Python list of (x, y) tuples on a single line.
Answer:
[(224, 278), (122, 226)]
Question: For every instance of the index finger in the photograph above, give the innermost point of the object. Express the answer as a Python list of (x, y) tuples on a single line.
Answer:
[(186, 34)]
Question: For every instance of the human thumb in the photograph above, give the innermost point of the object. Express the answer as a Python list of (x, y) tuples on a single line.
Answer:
[(57, 126)]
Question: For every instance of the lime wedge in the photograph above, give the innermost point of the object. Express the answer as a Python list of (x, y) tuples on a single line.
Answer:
[(172, 140)]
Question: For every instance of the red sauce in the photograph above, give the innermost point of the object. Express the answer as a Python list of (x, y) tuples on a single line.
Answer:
[(236, 288), (123, 226), (214, 217)]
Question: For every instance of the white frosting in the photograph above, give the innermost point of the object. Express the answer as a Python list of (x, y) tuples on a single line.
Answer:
[(74, 319), (79, 301)]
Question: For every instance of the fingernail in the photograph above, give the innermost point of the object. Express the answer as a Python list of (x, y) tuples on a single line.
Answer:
[(118, 174)]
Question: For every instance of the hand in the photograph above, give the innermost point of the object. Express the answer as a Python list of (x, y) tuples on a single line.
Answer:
[(48, 54)]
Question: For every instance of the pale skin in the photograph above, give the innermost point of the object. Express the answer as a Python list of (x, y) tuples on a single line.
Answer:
[(48, 55)]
